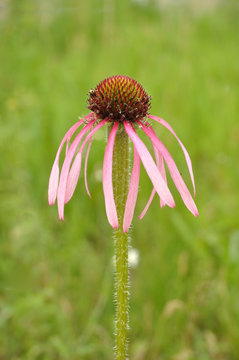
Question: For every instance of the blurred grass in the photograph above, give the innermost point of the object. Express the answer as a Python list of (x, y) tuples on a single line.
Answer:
[(56, 278)]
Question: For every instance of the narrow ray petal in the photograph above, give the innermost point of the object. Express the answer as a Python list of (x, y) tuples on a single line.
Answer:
[(67, 145), (175, 174), (133, 192), (74, 172), (73, 177), (86, 163), (163, 173), (186, 154), (65, 169), (107, 179), (160, 165), (54, 176), (150, 167), (53, 184)]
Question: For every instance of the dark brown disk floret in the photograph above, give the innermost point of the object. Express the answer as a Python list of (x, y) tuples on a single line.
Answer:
[(119, 98)]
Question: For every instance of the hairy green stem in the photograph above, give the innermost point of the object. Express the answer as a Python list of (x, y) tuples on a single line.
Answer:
[(120, 186)]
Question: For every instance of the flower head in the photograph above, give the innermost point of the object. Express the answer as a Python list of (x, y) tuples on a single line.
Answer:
[(119, 98), (122, 103)]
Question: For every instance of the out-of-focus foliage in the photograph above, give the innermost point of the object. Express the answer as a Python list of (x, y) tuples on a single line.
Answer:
[(56, 278)]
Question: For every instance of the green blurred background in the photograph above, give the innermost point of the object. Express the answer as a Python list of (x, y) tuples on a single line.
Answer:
[(56, 282)]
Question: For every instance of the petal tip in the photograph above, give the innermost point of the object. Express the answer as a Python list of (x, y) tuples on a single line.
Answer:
[(61, 213), (115, 226), (125, 228), (171, 203)]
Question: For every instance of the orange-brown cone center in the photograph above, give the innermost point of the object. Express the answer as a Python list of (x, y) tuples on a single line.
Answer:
[(119, 98)]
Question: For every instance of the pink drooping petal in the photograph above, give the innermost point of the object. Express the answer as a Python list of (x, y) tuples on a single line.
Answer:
[(107, 179), (160, 165), (175, 174), (73, 177), (54, 176), (67, 145), (65, 169), (186, 154), (133, 192), (53, 183), (74, 172), (150, 167), (86, 163), (163, 173)]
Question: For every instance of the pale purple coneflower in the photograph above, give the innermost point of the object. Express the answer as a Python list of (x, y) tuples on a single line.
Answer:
[(122, 103)]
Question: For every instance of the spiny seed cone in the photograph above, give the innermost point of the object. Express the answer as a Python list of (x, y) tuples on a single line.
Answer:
[(119, 98)]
